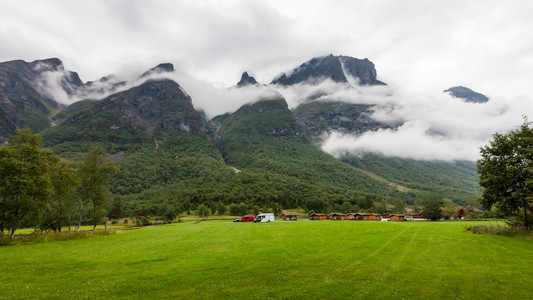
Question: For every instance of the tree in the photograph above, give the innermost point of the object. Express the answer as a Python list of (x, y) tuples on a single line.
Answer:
[(203, 211), (381, 208), (399, 205), (24, 180), (346, 207), (505, 169), (94, 174), (433, 207), (116, 208), (221, 208), (60, 206)]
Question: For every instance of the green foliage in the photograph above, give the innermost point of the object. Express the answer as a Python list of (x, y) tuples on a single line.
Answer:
[(457, 181), (60, 204), (25, 184), (433, 205), (94, 174), (399, 205), (221, 208), (506, 170), (203, 211)]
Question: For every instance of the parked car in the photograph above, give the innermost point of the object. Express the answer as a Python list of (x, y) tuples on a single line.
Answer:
[(247, 218)]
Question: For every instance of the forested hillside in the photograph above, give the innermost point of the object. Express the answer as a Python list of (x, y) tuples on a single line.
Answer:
[(262, 156)]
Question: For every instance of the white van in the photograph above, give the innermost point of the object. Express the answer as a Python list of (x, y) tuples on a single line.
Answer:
[(264, 218)]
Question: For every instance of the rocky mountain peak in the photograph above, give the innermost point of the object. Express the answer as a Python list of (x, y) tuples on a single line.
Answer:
[(47, 65), (336, 68), (246, 80), (161, 68), (466, 94)]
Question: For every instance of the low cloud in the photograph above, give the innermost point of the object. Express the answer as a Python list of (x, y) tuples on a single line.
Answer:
[(213, 100), (428, 125), (434, 126)]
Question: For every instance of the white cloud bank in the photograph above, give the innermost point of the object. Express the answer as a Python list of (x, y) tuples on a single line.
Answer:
[(434, 126)]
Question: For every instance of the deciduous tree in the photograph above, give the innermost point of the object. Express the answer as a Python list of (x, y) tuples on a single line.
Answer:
[(25, 179), (505, 169), (94, 173), (433, 207)]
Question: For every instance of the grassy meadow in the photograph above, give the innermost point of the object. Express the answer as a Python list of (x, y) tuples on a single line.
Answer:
[(302, 259)]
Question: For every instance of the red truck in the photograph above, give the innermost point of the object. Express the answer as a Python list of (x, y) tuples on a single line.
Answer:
[(247, 218)]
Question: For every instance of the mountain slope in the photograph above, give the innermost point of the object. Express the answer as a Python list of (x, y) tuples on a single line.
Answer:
[(24, 99), (143, 114), (265, 140), (457, 181)]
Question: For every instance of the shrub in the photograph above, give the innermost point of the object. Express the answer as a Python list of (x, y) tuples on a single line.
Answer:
[(494, 229), (145, 222)]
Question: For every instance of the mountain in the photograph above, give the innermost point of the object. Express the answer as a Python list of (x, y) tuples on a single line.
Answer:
[(142, 114), (263, 154), (339, 69), (318, 118), (265, 139), (246, 80), (25, 98), (467, 94), (456, 180), (161, 68)]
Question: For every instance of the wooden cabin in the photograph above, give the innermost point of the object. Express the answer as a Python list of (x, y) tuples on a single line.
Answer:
[(350, 216), (358, 217), (373, 217), (337, 217), (318, 217), (289, 217), (397, 218)]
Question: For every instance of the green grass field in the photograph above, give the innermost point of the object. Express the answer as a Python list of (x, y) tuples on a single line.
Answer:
[(303, 259)]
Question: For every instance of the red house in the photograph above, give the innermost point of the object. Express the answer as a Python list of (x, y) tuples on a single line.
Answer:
[(397, 218), (337, 217), (318, 217), (289, 217)]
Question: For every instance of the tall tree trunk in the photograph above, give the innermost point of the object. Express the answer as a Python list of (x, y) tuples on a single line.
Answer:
[(69, 220), (12, 235), (60, 218), (526, 221), (94, 214), (82, 206)]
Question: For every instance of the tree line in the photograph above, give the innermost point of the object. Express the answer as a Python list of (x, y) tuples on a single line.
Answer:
[(41, 190)]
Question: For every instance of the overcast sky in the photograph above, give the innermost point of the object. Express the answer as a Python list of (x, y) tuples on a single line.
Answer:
[(417, 46)]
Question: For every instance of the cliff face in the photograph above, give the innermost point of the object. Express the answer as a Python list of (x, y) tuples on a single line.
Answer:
[(24, 99), (336, 68)]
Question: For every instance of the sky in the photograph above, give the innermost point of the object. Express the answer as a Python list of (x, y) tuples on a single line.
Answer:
[(419, 48)]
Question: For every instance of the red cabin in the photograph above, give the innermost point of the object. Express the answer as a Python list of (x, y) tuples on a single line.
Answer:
[(318, 217), (289, 217)]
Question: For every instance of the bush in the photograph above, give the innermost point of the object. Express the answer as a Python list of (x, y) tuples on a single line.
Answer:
[(52, 237), (146, 222), (494, 229)]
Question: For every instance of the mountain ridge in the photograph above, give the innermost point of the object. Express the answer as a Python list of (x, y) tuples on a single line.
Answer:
[(155, 126)]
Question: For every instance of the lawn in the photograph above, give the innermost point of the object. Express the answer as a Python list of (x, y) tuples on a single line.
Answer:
[(303, 259)]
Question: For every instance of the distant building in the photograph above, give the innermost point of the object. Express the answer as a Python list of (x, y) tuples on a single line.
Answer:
[(397, 218), (337, 217), (318, 217), (289, 217)]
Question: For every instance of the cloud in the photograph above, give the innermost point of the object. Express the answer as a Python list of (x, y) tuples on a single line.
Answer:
[(434, 126), (419, 48)]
